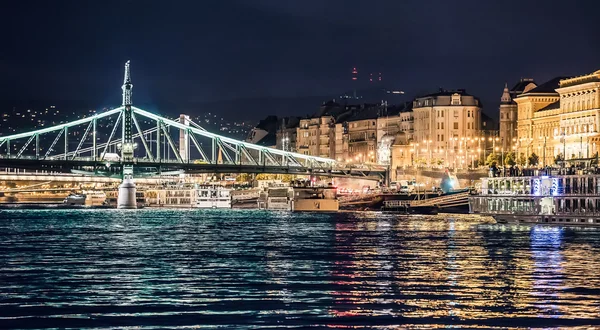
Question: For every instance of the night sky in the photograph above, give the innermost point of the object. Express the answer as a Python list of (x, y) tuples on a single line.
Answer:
[(186, 52)]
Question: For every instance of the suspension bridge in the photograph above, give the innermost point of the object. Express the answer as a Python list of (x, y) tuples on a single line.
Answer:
[(150, 145)]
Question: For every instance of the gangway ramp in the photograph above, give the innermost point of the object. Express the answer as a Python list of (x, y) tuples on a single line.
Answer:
[(443, 201)]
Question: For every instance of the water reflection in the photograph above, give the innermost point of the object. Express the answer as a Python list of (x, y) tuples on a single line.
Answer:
[(547, 283), (257, 269)]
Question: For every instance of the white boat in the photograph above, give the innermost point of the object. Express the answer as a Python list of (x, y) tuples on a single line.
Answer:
[(551, 200), (212, 197)]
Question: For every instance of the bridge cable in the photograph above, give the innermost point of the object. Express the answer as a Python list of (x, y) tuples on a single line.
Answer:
[(112, 133)]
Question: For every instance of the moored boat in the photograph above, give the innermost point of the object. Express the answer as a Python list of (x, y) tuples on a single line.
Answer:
[(86, 198), (315, 199), (212, 197), (551, 200)]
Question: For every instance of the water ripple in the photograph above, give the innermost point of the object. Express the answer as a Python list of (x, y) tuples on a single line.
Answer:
[(259, 270)]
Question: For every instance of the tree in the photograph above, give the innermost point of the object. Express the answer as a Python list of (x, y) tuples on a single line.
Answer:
[(287, 178), (264, 176), (522, 160), (533, 159), (242, 177), (559, 159), (510, 159), (492, 159)]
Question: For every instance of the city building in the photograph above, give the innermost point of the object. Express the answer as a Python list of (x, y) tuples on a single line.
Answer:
[(316, 135), (508, 111), (447, 129), (559, 120), (266, 129), (286, 133), (362, 135), (395, 127)]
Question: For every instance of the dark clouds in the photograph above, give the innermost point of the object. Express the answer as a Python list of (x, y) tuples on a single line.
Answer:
[(212, 50)]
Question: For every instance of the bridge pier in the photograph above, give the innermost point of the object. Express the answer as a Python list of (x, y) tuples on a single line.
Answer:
[(126, 199)]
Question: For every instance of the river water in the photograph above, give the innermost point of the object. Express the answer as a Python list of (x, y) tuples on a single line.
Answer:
[(258, 269)]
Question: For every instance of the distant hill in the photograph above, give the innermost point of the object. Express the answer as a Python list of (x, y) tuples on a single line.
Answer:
[(251, 109)]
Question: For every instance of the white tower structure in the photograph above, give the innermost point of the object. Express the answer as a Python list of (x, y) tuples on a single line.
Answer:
[(127, 190)]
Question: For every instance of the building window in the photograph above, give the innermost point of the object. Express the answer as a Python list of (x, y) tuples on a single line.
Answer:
[(442, 136), (456, 99), (442, 125), (455, 125)]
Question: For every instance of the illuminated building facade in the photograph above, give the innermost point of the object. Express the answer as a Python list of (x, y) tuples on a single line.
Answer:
[(508, 111), (362, 136), (314, 136), (395, 128), (560, 119), (447, 129)]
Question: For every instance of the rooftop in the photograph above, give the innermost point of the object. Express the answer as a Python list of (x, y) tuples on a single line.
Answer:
[(367, 113), (519, 87), (549, 87), (551, 106), (592, 77), (444, 92)]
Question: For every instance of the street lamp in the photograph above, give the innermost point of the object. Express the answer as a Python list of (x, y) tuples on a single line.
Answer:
[(544, 152), (429, 152), (417, 155), (502, 155)]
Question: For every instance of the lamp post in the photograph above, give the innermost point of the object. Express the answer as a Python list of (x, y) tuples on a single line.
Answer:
[(417, 155), (447, 162), (484, 149), (490, 139), (544, 153), (564, 134), (478, 148), (429, 150), (502, 155), (454, 151)]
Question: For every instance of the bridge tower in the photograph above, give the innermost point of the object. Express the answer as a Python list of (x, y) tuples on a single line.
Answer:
[(184, 139), (127, 190), (127, 140)]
